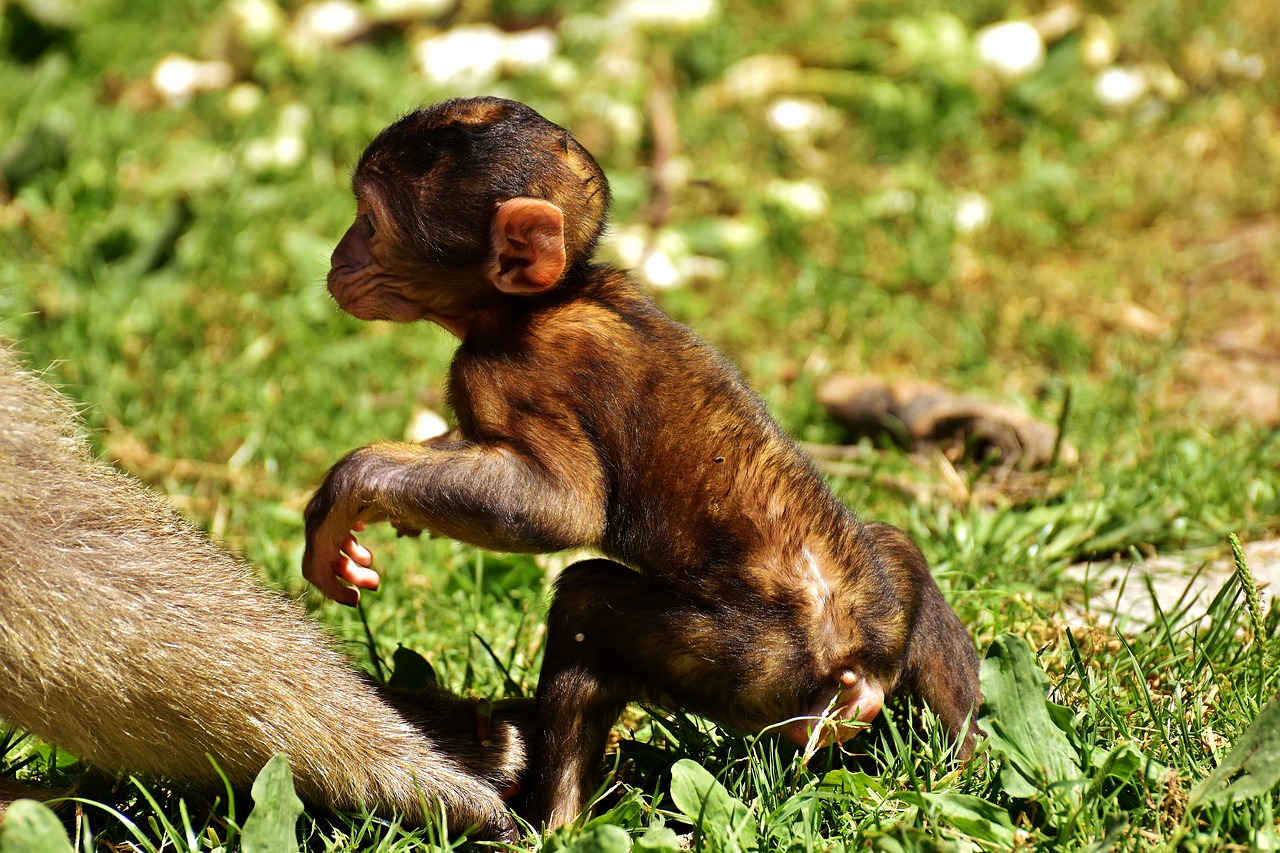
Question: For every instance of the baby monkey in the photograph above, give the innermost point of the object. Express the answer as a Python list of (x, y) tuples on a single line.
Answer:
[(737, 586)]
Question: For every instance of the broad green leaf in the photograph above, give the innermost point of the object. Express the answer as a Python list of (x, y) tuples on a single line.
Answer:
[(975, 817), (1253, 765), (272, 826), (410, 670), (601, 839), (659, 839), (710, 805), (1015, 715), (1064, 718), (853, 783), (32, 827), (625, 812), (803, 834), (1125, 761)]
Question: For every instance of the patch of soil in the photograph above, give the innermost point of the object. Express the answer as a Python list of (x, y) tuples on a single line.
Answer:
[(1124, 593)]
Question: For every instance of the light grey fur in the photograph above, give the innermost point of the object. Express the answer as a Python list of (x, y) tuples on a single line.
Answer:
[(130, 639)]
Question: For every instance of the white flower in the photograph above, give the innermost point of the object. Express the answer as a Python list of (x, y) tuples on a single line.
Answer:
[(893, 202), (1163, 82), (972, 213), (736, 233), (1056, 21), (529, 50), (178, 78), (286, 148), (476, 54), (1250, 67), (243, 99), (676, 14), (258, 20), (470, 54), (799, 116), (294, 116), (661, 259), (703, 268), (805, 199), (758, 77), (659, 270), (1119, 87), (279, 152), (329, 22), (624, 119), (1013, 49), (406, 9), (628, 244), (1098, 44), (561, 73), (424, 425)]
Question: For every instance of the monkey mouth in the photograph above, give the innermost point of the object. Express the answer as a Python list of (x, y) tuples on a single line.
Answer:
[(369, 303), (856, 702)]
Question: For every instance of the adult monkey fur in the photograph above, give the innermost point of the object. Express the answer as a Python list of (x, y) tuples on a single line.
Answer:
[(130, 639), (742, 589)]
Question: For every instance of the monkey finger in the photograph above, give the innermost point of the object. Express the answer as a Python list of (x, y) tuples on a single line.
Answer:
[(360, 577), (342, 593), (324, 576), (359, 554), (859, 698)]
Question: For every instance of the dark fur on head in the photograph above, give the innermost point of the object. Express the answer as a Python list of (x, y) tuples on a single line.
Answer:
[(524, 156)]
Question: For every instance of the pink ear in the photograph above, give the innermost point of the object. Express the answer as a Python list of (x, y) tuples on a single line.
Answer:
[(528, 246)]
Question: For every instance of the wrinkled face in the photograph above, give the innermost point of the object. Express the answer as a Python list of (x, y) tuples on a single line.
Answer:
[(362, 277)]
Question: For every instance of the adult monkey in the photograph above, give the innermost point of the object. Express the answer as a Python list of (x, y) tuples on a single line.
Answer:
[(742, 589), (130, 639)]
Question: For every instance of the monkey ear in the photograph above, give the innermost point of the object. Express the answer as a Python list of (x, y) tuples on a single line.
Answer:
[(528, 246)]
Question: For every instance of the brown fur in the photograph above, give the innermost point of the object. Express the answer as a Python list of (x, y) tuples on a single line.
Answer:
[(737, 586), (130, 639)]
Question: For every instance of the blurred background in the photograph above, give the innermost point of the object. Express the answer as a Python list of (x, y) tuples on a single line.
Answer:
[(1066, 212), (1073, 209), (1070, 206)]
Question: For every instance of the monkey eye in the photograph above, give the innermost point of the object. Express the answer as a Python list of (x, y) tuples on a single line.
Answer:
[(371, 224)]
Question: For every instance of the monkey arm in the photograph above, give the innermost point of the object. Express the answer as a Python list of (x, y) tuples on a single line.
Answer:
[(489, 495)]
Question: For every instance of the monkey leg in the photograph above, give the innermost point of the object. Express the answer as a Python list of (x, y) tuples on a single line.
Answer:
[(616, 635)]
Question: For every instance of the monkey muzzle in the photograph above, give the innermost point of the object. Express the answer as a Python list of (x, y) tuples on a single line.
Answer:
[(840, 715)]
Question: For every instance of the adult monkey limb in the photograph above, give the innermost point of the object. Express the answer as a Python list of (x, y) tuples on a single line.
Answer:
[(130, 639), (742, 588)]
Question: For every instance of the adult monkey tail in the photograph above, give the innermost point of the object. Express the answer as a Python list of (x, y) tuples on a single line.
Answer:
[(130, 639)]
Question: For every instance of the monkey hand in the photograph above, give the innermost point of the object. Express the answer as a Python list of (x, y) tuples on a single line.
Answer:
[(336, 563)]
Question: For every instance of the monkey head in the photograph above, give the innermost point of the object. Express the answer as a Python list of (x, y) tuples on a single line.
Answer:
[(462, 204)]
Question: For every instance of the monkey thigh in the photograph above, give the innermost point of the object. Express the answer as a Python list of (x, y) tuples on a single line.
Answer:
[(615, 635), (625, 636)]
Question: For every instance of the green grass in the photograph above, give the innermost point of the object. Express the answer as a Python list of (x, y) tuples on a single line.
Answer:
[(175, 290)]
